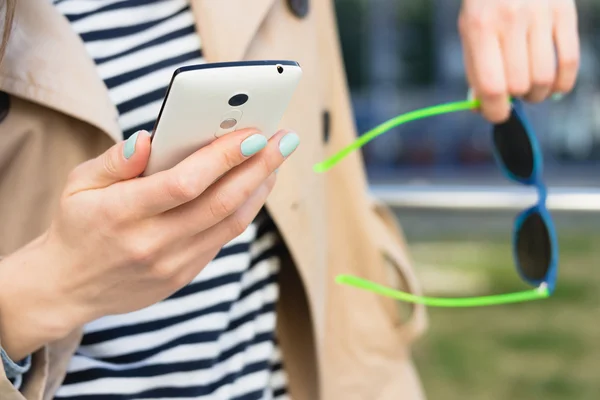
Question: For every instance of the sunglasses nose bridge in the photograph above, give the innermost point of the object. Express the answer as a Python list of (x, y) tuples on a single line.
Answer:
[(542, 193)]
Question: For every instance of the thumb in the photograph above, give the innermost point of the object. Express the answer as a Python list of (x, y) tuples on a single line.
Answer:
[(123, 161)]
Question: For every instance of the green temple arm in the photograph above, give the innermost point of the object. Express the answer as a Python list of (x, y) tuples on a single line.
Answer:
[(394, 122), (518, 297)]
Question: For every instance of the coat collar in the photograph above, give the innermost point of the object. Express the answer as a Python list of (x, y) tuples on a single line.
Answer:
[(227, 27), (46, 63)]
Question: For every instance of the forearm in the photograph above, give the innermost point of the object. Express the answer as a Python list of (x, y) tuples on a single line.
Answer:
[(29, 315)]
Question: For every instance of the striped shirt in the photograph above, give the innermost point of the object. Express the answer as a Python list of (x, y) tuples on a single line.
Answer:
[(215, 338)]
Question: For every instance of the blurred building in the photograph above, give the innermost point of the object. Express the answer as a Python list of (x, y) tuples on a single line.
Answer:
[(406, 54)]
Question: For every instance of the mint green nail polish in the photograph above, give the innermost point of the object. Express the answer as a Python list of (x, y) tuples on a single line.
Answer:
[(253, 144), (129, 147), (557, 96), (288, 144)]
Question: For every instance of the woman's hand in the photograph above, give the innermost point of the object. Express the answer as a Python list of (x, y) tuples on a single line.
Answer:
[(520, 48), (120, 244)]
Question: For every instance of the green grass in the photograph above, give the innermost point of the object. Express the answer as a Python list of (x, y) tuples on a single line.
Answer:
[(546, 349)]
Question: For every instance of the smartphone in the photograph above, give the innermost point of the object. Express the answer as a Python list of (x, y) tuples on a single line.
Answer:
[(206, 101)]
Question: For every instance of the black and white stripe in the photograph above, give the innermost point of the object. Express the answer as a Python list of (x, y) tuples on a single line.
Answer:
[(136, 45), (215, 338)]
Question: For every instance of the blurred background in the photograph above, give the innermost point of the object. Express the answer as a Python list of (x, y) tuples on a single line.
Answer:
[(458, 210)]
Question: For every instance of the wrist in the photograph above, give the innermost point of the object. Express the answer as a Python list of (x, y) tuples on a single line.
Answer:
[(32, 314)]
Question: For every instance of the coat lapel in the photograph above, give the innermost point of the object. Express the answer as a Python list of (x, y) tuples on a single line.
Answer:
[(46, 63), (227, 27)]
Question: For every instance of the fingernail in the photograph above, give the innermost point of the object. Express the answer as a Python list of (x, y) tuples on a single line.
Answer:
[(129, 147), (253, 144), (471, 94), (288, 144), (557, 96), (276, 171)]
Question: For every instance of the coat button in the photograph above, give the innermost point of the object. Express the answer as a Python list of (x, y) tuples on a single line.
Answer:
[(4, 105), (299, 7)]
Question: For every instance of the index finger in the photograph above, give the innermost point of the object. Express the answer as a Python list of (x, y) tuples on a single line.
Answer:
[(165, 190), (486, 72)]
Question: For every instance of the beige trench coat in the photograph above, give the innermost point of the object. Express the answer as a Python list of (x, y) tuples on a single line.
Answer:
[(338, 343)]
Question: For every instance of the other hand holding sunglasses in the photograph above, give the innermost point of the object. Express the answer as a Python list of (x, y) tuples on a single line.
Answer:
[(535, 247)]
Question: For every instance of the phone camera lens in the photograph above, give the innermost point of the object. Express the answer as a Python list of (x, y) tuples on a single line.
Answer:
[(238, 100), (280, 69)]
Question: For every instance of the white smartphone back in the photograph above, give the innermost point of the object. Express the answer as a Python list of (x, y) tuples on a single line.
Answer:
[(206, 101)]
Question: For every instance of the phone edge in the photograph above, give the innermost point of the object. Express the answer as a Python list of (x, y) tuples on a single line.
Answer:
[(195, 67)]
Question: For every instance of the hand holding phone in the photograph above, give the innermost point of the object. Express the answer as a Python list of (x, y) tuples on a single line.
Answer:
[(134, 240)]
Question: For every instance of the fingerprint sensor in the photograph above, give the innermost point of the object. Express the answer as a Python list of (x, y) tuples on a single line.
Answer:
[(228, 122)]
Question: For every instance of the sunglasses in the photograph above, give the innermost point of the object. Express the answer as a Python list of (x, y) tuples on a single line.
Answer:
[(535, 247)]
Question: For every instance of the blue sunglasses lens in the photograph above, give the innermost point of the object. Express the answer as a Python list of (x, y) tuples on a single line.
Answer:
[(534, 247), (513, 147)]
